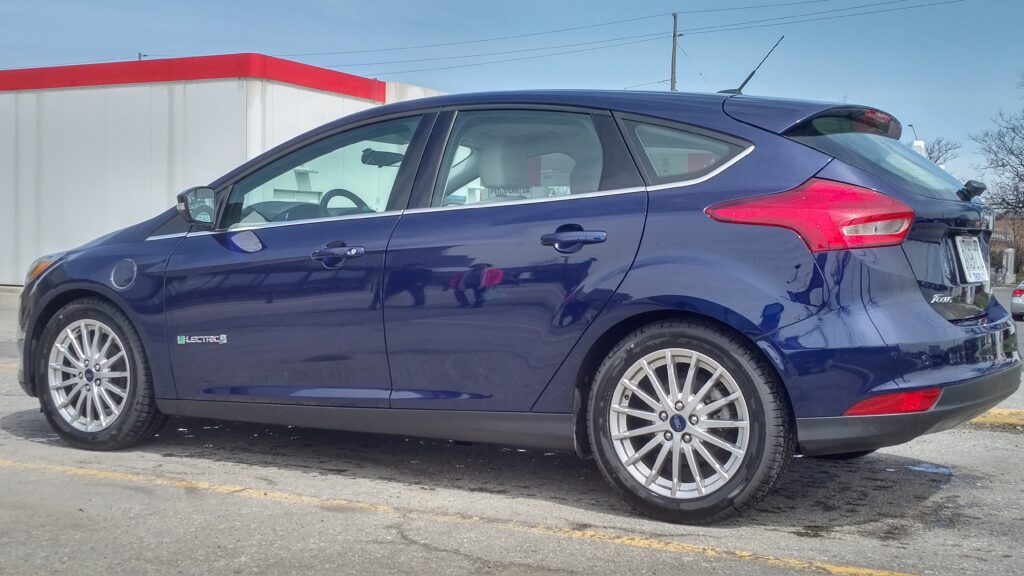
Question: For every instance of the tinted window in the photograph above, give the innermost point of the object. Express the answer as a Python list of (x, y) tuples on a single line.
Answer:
[(672, 155), (350, 173), (500, 156), (855, 143)]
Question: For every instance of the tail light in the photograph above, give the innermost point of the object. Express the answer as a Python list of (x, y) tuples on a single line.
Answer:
[(827, 215), (1017, 293), (896, 403)]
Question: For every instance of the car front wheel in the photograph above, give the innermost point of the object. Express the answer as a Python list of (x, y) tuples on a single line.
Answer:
[(689, 422), (94, 381)]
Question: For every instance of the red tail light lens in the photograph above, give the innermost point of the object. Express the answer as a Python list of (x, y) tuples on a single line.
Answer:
[(896, 403), (1017, 293), (827, 215)]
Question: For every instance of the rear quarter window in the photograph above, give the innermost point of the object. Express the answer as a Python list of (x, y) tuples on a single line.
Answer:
[(676, 155)]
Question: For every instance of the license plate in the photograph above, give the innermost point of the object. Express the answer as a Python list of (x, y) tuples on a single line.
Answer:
[(972, 259)]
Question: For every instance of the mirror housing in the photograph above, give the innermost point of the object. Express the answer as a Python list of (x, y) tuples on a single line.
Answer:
[(198, 206)]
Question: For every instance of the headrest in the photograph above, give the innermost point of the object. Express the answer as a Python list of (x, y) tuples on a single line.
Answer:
[(504, 165)]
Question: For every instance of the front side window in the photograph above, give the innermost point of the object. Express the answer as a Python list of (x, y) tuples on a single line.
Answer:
[(673, 155), (346, 174), (506, 155)]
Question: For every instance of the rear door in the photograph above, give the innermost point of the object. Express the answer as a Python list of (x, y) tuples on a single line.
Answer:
[(281, 304), (519, 238)]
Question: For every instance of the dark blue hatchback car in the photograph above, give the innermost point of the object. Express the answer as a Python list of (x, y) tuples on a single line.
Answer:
[(688, 288)]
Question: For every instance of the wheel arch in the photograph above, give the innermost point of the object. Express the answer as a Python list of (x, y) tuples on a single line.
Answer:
[(612, 334), (49, 307)]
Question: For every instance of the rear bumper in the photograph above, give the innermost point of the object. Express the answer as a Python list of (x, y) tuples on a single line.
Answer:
[(957, 404)]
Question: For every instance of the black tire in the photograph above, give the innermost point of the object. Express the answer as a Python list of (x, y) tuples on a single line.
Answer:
[(771, 437), (845, 455), (140, 418)]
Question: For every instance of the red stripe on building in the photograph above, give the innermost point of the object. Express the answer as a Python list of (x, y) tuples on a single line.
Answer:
[(256, 66)]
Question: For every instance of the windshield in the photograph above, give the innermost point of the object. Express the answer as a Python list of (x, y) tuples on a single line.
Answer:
[(882, 156)]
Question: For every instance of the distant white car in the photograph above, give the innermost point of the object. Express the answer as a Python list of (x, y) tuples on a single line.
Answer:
[(1017, 302)]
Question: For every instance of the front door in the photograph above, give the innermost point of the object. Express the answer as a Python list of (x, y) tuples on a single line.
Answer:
[(282, 302), (533, 221)]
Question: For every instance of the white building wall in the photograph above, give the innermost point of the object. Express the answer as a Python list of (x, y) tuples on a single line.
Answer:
[(78, 163)]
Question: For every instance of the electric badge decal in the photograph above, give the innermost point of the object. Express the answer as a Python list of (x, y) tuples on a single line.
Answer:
[(221, 339)]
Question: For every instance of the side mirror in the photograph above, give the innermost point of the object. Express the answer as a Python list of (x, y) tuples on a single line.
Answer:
[(198, 206)]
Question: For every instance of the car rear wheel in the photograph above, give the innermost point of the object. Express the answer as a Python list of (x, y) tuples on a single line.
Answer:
[(94, 381), (689, 422)]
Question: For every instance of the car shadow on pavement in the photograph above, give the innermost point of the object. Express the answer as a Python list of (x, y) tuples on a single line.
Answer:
[(814, 498)]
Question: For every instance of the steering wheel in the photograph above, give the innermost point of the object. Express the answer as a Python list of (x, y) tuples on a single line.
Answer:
[(332, 194)]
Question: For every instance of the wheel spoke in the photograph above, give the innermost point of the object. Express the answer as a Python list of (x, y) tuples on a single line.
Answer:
[(706, 424), (643, 451), (75, 345), (658, 463), (699, 447), (675, 466), (641, 394), (64, 351), (115, 409), (98, 406), (712, 439), (106, 346), (67, 399), (653, 428), (88, 408), (691, 373), (110, 387), (66, 383), (673, 379), (79, 405), (650, 416), (656, 384), (109, 375), (106, 363), (83, 333), (710, 408), (64, 369), (691, 461), (693, 401)]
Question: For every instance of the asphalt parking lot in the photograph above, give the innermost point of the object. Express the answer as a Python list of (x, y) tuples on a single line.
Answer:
[(216, 498)]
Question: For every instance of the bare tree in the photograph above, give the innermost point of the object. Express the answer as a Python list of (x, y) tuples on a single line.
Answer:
[(1002, 148), (942, 150)]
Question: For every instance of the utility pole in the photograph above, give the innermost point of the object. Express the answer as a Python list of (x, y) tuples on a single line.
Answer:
[(675, 38)]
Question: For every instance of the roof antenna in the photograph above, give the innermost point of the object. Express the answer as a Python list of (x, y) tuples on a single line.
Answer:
[(754, 71)]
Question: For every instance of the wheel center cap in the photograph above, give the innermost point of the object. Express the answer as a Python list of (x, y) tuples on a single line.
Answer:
[(677, 422), (89, 375)]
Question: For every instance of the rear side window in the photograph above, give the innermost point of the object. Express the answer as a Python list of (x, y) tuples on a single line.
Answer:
[(507, 155), (866, 142), (672, 155)]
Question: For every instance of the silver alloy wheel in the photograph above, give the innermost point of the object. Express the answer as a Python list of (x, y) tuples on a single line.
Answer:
[(679, 423), (89, 375)]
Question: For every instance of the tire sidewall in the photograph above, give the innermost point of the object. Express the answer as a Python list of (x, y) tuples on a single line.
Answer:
[(126, 420), (742, 370)]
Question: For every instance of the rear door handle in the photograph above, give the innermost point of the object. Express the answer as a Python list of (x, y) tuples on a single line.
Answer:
[(334, 253), (573, 240)]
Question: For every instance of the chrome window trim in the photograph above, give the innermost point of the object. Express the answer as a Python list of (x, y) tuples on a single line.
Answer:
[(166, 236), (263, 225), (706, 177), (526, 200)]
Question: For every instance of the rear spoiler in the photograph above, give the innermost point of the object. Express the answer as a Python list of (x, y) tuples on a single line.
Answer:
[(783, 116)]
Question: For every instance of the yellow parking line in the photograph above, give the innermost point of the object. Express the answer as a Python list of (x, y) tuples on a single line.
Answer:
[(585, 535), (1001, 417)]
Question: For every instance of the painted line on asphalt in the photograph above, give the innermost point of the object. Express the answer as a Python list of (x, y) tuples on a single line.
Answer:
[(337, 503), (1001, 417)]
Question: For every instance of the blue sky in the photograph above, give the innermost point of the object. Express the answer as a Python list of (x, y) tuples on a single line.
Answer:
[(947, 68)]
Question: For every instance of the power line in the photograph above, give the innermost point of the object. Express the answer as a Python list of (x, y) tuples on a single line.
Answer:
[(695, 67), (558, 46), (658, 34), (666, 81), (831, 11), (736, 26), (555, 31)]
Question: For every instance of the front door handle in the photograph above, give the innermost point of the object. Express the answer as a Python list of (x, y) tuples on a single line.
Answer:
[(570, 241), (334, 253)]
